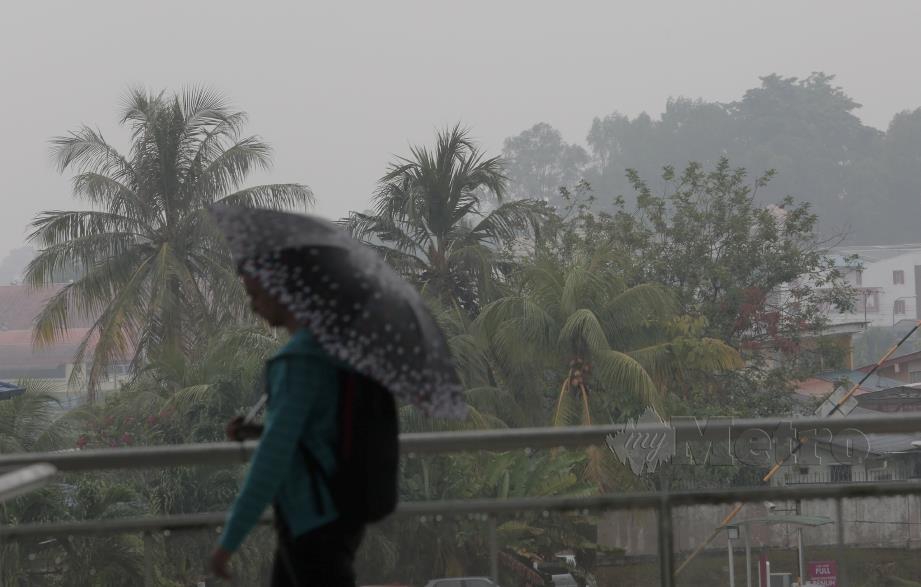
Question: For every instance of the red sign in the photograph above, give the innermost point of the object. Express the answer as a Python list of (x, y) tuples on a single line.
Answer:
[(823, 573)]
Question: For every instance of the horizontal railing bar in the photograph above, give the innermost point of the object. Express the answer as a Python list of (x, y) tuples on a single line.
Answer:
[(493, 506), (231, 453)]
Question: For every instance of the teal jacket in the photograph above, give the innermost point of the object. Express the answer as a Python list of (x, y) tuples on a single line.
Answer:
[(303, 383)]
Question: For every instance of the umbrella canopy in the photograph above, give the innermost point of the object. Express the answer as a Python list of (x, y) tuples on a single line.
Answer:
[(9, 391), (357, 307)]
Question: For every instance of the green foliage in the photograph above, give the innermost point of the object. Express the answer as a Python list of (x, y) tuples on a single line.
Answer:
[(581, 324), (562, 314), (432, 220)]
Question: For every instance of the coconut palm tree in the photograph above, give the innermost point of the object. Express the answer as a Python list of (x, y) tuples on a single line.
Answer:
[(149, 261), (432, 218), (613, 344)]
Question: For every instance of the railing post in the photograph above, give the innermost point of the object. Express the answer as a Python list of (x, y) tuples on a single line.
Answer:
[(842, 555), (666, 545), (148, 560), (493, 549), (748, 557)]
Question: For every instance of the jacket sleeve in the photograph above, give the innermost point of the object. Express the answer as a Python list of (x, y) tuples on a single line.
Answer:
[(294, 389)]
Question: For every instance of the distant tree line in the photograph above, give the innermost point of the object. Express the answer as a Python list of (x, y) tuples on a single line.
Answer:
[(862, 182)]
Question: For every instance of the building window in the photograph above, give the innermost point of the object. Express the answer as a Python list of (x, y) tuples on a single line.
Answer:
[(859, 279), (914, 376), (898, 307), (898, 277), (868, 301)]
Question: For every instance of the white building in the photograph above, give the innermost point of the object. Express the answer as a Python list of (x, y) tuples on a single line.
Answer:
[(888, 283)]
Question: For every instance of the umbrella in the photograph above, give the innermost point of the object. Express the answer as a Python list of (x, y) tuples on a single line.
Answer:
[(356, 306), (9, 391)]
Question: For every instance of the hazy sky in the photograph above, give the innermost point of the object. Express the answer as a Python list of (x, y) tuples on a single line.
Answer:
[(338, 89)]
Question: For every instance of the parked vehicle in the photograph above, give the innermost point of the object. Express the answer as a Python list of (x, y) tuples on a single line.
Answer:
[(462, 582)]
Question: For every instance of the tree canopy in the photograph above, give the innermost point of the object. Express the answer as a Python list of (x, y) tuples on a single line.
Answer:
[(856, 178)]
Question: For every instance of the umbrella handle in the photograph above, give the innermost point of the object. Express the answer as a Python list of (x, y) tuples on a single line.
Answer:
[(255, 409)]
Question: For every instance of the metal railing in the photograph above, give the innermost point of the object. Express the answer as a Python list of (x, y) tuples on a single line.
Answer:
[(685, 430), (230, 453)]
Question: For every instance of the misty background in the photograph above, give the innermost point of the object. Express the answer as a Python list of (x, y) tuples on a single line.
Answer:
[(339, 89)]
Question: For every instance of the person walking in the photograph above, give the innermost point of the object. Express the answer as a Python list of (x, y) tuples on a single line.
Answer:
[(360, 339)]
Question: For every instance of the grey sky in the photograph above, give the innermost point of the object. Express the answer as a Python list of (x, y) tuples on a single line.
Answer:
[(337, 90)]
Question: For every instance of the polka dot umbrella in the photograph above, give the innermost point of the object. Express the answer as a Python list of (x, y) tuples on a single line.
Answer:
[(356, 306)]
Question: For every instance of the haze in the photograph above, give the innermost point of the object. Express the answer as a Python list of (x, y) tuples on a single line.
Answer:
[(339, 89)]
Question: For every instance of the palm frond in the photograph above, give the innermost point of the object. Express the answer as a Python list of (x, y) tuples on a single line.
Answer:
[(633, 308), (87, 150), (504, 223), (55, 226), (277, 196), (228, 170), (582, 332), (618, 373)]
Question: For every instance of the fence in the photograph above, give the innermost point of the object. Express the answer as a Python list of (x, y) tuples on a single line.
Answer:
[(489, 440)]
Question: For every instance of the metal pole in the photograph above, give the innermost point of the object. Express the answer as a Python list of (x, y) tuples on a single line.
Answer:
[(732, 571), (148, 560), (493, 550), (842, 555), (666, 545), (748, 557)]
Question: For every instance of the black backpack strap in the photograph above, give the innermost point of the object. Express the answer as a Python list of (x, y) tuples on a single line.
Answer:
[(348, 384)]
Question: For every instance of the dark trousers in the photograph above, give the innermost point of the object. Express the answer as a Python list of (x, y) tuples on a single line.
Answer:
[(323, 557)]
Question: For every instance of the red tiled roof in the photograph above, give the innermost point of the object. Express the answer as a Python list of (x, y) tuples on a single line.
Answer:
[(21, 304), (16, 349)]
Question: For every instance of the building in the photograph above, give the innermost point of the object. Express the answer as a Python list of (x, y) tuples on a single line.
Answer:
[(822, 385), (905, 368), (20, 305), (887, 280)]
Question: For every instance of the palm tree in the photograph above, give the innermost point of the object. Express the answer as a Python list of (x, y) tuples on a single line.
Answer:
[(613, 344), (431, 218), (149, 260)]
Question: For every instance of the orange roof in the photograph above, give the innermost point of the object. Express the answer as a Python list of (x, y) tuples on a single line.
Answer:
[(16, 349), (21, 304)]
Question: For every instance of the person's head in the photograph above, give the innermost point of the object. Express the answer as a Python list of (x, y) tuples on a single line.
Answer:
[(264, 305)]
